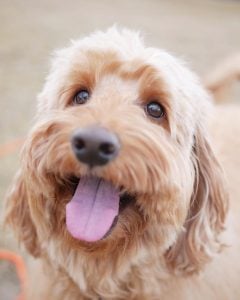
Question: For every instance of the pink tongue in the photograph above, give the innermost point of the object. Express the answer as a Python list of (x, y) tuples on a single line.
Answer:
[(91, 212)]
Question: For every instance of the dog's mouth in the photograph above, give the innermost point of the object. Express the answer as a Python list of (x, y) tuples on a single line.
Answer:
[(93, 211)]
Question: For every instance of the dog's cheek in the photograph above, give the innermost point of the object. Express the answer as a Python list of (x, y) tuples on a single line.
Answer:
[(47, 154)]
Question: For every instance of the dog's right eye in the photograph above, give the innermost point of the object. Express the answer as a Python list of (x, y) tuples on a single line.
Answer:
[(155, 110), (81, 97)]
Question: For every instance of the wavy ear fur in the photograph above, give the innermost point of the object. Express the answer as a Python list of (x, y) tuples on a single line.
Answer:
[(18, 215), (207, 212)]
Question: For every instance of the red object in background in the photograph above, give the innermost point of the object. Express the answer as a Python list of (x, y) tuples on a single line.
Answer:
[(20, 269), (11, 146), (12, 257)]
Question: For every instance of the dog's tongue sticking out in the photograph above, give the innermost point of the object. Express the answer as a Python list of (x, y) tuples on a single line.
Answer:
[(91, 212)]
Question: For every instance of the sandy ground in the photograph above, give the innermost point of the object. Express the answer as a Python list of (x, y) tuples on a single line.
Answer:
[(201, 32)]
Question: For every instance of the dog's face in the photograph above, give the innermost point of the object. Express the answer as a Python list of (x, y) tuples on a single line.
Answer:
[(118, 157)]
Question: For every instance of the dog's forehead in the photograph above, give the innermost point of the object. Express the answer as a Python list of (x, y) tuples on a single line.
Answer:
[(131, 61), (127, 46), (122, 52), (95, 68)]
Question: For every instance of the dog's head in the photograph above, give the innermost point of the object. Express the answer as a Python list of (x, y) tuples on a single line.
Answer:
[(119, 157)]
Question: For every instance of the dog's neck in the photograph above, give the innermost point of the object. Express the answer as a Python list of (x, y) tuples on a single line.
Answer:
[(90, 273)]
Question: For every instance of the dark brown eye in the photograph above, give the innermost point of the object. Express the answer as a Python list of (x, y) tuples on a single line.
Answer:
[(155, 110), (81, 97)]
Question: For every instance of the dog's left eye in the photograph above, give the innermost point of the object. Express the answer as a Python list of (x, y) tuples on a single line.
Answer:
[(81, 97), (155, 110)]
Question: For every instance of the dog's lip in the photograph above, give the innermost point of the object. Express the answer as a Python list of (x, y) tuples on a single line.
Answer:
[(125, 200)]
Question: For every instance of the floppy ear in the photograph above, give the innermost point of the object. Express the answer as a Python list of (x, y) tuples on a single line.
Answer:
[(207, 212), (18, 215)]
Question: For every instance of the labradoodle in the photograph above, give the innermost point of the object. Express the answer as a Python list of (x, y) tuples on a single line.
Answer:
[(120, 192)]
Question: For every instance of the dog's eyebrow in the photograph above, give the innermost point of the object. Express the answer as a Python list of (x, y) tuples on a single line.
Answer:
[(109, 62), (135, 69)]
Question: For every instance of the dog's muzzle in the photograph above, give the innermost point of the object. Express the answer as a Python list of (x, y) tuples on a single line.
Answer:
[(95, 146)]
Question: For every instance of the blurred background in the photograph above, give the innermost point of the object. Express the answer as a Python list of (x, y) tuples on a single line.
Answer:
[(201, 32)]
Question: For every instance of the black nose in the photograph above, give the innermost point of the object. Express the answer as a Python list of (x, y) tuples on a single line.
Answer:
[(95, 146)]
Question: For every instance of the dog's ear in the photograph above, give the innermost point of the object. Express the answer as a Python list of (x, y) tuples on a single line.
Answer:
[(207, 212), (18, 215)]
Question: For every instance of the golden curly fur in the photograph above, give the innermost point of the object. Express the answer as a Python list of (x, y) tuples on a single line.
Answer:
[(173, 227)]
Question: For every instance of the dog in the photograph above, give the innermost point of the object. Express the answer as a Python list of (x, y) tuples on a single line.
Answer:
[(220, 81), (120, 192)]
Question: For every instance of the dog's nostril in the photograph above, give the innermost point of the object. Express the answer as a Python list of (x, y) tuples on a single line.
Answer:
[(107, 148), (79, 144)]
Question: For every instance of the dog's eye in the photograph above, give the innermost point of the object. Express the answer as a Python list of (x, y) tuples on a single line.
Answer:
[(155, 110), (81, 97)]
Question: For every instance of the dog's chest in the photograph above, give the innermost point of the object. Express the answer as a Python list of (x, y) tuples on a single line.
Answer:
[(141, 277)]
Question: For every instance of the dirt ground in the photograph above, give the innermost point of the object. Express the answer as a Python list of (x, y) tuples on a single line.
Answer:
[(201, 32)]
